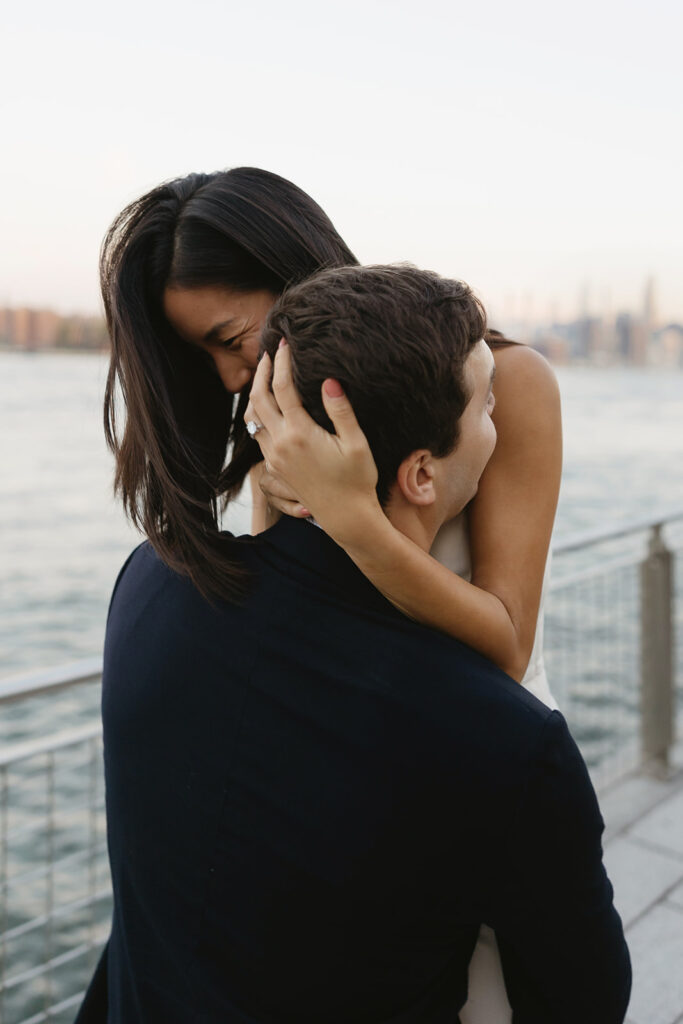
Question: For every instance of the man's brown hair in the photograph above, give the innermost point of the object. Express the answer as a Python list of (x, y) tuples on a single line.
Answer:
[(396, 338)]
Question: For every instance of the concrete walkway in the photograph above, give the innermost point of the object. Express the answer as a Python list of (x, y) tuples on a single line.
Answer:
[(644, 858)]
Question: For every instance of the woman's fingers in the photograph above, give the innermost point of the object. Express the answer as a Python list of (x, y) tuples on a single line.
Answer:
[(267, 407), (340, 411), (276, 489), (285, 392), (280, 495), (323, 471), (289, 508), (263, 408)]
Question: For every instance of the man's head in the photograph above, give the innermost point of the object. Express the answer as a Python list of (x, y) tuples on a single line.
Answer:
[(406, 346)]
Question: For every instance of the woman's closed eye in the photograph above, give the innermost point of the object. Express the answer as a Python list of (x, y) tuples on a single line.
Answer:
[(229, 342)]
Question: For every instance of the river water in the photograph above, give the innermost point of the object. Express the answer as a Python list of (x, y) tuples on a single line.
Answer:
[(63, 537)]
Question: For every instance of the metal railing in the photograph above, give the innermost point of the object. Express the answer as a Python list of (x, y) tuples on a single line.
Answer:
[(55, 891), (614, 643), (614, 651)]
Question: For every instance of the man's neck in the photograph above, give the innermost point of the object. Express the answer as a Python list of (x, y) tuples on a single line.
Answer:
[(420, 525)]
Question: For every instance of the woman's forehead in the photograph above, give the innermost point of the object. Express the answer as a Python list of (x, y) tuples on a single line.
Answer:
[(197, 314)]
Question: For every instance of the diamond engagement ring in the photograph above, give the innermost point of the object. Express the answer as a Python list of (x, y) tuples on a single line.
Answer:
[(253, 427)]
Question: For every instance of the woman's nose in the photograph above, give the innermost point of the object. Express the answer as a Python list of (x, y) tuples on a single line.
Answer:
[(235, 377)]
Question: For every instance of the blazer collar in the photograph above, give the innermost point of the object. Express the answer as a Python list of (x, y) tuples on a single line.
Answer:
[(305, 551)]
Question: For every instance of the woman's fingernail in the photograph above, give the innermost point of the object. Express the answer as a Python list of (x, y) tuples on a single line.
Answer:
[(333, 388), (303, 511), (283, 342)]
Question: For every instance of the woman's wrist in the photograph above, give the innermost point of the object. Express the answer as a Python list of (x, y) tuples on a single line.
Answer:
[(365, 534)]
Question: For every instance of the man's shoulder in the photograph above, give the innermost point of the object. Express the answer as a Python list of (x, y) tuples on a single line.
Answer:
[(138, 556), (325, 595), (462, 691), (145, 575), (142, 566)]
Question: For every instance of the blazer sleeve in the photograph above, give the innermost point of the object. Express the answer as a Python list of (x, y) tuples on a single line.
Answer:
[(122, 570), (561, 940)]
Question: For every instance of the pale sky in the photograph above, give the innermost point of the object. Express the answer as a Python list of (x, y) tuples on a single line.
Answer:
[(530, 148)]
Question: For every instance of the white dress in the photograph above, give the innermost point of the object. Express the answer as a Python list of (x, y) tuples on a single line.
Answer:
[(487, 1001)]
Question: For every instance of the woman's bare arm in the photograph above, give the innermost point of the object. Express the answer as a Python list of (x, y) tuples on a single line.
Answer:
[(496, 613), (511, 518)]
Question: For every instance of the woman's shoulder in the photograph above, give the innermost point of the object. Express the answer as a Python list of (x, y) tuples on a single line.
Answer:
[(528, 406), (520, 367)]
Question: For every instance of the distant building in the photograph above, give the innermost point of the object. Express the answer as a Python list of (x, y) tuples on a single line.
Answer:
[(649, 310), (38, 329), (19, 323), (585, 338), (42, 328), (631, 339), (554, 348), (667, 346)]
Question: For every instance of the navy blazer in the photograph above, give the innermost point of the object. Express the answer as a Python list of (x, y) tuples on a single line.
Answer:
[(313, 803)]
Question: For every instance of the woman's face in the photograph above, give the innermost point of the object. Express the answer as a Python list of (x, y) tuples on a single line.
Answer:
[(224, 323)]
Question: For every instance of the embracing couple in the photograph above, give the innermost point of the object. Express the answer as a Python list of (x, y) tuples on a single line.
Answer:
[(338, 787)]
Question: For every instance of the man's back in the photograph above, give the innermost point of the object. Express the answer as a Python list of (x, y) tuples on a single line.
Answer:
[(314, 803)]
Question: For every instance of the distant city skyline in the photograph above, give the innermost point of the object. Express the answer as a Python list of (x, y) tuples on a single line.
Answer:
[(590, 300), (623, 337), (526, 149), (607, 336)]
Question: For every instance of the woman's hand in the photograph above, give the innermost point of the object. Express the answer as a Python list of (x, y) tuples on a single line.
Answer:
[(264, 507), (333, 476), (279, 495)]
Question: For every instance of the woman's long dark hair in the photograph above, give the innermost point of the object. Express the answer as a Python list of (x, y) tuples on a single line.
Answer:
[(246, 229), (496, 339)]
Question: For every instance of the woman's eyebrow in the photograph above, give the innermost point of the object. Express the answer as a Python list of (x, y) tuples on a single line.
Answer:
[(217, 328)]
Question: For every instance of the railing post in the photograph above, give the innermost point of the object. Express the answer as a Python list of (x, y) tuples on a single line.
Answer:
[(4, 874), (657, 705)]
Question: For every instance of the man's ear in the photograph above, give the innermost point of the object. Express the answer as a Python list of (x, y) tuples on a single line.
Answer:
[(415, 478)]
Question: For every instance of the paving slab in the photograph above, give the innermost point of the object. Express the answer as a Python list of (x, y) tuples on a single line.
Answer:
[(640, 876), (676, 897), (656, 945), (624, 803), (663, 827)]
